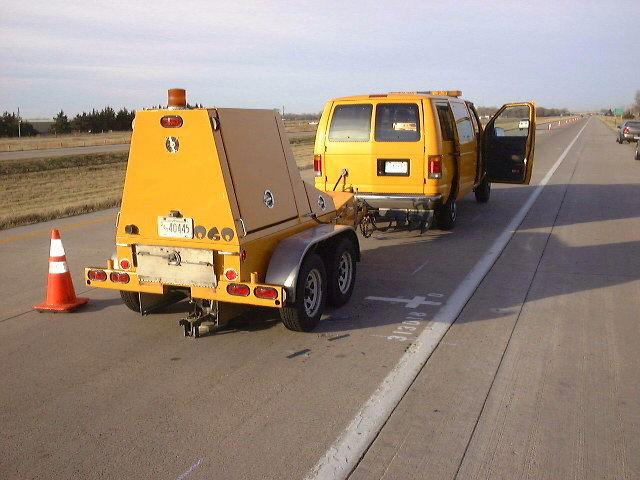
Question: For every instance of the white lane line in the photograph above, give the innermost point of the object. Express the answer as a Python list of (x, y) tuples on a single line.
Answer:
[(345, 453)]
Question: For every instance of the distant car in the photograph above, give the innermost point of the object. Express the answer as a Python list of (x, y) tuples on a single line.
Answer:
[(523, 123), (628, 131), (637, 149)]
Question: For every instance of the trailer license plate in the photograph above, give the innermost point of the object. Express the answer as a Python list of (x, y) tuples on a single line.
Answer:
[(175, 227), (396, 167)]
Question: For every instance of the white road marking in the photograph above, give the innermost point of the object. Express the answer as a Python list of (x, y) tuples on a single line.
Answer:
[(191, 469), (345, 453), (420, 267), (414, 302)]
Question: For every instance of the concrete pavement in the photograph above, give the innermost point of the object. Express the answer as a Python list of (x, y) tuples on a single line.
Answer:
[(103, 393)]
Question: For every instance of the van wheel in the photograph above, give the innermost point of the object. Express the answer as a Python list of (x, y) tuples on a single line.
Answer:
[(311, 294), (131, 300), (483, 191), (446, 214), (341, 272)]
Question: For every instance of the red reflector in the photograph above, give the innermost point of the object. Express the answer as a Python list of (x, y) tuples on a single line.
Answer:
[(119, 277), (124, 264), (99, 275), (231, 274), (266, 292), (317, 165), (238, 289), (171, 121), (435, 166)]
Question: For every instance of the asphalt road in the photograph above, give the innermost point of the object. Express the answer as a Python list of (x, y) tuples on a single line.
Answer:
[(538, 377)]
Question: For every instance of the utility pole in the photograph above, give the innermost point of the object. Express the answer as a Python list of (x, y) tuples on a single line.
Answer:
[(19, 120)]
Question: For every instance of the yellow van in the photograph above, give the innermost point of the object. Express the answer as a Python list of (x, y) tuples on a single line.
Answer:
[(411, 155)]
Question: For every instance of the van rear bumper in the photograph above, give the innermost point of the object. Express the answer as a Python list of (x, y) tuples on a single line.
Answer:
[(399, 200)]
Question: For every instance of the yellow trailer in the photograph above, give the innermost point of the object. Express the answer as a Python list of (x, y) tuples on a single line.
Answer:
[(214, 209)]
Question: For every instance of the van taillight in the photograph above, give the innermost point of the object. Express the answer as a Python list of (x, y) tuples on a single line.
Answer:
[(171, 121), (626, 130), (435, 166), (317, 165)]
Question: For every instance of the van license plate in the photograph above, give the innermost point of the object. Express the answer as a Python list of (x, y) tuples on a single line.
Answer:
[(396, 167), (175, 227)]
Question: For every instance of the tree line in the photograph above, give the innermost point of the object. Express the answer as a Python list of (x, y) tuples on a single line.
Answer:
[(514, 112), (93, 122)]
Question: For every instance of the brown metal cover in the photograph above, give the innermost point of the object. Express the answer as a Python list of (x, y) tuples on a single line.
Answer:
[(258, 166)]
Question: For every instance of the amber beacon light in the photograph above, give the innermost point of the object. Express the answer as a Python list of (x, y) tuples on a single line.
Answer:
[(177, 98)]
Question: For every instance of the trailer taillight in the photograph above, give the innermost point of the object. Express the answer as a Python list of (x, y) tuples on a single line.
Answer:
[(171, 121), (118, 277), (238, 289), (98, 275), (435, 166), (317, 165), (266, 292)]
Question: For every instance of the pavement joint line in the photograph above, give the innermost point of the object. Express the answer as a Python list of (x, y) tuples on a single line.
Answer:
[(515, 324), (70, 226), (343, 456)]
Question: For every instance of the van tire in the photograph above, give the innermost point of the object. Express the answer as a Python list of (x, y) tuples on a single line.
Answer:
[(483, 191), (131, 300), (341, 271), (303, 315), (446, 214)]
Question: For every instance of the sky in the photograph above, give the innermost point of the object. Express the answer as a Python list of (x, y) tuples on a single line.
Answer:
[(75, 56)]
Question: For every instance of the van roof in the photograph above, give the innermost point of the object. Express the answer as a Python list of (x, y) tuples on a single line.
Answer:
[(403, 95)]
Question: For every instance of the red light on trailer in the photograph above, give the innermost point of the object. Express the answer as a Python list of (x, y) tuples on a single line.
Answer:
[(238, 290), (230, 274), (317, 165), (98, 275), (435, 166), (118, 277), (124, 264), (171, 121), (266, 292)]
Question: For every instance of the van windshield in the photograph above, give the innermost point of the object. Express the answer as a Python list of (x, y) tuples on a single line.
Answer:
[(351, 123), (397, 122)]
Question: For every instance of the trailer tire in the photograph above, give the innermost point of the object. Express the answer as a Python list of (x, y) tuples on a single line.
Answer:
[(131, 300), (483, 191), (341, 272), (303, 315)]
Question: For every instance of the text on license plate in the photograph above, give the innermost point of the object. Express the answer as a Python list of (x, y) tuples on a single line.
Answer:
[(175, 227), (396, 167)]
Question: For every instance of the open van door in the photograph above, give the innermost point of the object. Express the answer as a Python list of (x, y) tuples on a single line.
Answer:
[(508, 143)]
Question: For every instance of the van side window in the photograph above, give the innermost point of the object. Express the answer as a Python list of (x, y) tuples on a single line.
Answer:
[(351, 123), (463, 122), (446, 122), (397, 122)]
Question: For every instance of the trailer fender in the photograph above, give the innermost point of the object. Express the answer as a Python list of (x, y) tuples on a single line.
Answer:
[(287, 258)]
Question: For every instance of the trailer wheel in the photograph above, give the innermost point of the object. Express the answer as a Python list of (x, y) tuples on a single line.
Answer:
[(311, 294), (131, 300), (341, 272)]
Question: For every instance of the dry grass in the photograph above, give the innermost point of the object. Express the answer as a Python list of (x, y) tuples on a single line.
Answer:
[(64, 141), (612, 122), (40, 189)]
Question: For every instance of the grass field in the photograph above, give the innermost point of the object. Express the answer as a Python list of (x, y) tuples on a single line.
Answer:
[(612, 122), (35, 190)]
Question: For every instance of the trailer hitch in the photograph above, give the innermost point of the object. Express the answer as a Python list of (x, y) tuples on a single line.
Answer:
[(202, 320)]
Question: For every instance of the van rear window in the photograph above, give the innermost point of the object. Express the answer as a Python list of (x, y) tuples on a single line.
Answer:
[(351, 123), (397, 122)]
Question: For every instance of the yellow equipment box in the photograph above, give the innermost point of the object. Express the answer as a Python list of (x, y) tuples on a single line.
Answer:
[(214, 209)]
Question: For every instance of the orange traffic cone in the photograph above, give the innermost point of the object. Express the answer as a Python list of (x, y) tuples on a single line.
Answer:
[(61, 296)]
